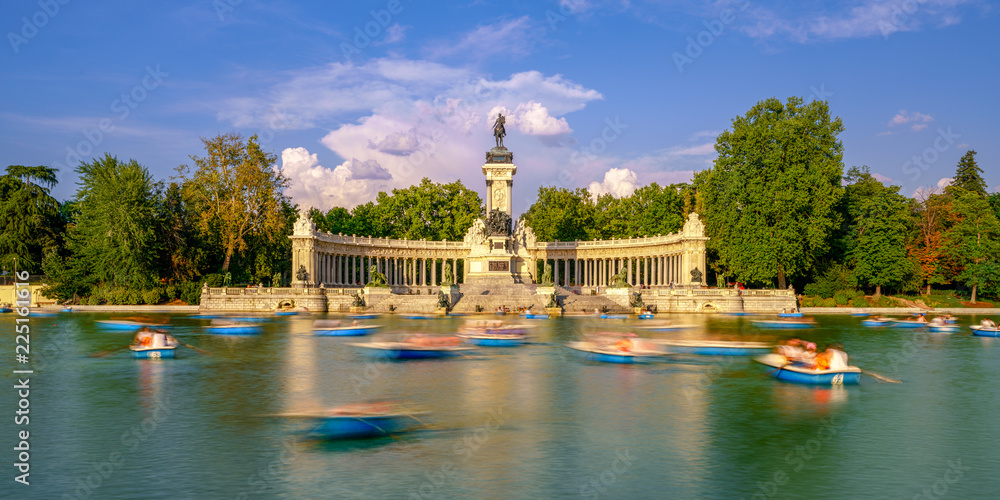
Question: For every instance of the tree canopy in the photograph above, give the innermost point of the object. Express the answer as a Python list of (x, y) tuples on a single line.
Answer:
[(237, 195), (770, 198), (968, 175), (30, 221)]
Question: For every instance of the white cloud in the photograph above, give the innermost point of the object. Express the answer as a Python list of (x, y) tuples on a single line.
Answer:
[(883, 179), (618, 182), (945, 182), (531, 118), (313, 185), (393, 34), (701, 150), (917, 121), (515, 38), (865, 18), (922, 192)]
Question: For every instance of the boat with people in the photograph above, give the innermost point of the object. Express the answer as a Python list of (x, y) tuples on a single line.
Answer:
[(940, 325), (494, 333), (229, 327), (783, 323), (153, 345), (909, 323), (616, 347), (716, 347), (361, 420), (787, 313), (788, 371), (614, 316), (414, 346), (985, 328), (336, 328), (531, 315)]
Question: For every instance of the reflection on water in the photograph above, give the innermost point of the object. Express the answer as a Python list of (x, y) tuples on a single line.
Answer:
[(523, 422)]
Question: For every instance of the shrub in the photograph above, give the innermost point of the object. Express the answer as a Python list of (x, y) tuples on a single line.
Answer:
[(806, 302), (842, 297), (829, 303), (214, 280), (94, 300), (835, 278), (190, 292), (153, 296), (172, 292)]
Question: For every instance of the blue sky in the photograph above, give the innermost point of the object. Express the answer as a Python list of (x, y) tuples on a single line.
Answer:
[(360, 97)]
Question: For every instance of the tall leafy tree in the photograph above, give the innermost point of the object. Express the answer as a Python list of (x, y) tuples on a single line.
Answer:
[(428, 210), (927, 246), (116, 235), (770, 198), (968, 175), (974, 240), (30, 222), (560, 214), (236, 193), (882, 224)]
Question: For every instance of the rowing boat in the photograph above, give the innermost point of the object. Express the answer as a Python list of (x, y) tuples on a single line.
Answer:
[(803, 375)]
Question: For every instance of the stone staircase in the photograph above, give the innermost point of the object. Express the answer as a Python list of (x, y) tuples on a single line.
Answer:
[(587, 304), (491, 294)]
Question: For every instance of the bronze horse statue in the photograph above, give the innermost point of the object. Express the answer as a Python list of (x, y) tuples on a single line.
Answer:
[(498, 130)]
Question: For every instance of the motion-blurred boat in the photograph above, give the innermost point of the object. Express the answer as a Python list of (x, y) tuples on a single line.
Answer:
[(359, 421), (165, 352), (982, 331), (337, 329), (415, 346), (876, 323), (763, 323), (802, 375), (908, 323), (790, 315), (715, 347), (122, 325), (229, 328)]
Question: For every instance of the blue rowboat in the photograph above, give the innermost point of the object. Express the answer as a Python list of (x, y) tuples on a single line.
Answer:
[(494, 340), (414, 346), (234, 329), (418, 316), (614, 316), (359, 421), (609, 354), (860, 314), (943, 328), (67, 309), (716, 348), (981, 331), (360, 427), (646, 316), (740, 313), (364, 316), (456, 314), (876, 323), (123, 325), (790, 315), (536, 316), (782, 324), (908, 323), (285, 313), (346, 331), (153, 352), (800, 375), (5, 309), (206, 316), (42, 314)]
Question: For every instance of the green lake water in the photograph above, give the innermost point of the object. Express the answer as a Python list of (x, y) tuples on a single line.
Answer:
[(533, 421)]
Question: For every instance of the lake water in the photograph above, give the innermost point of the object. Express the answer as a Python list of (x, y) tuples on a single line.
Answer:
[(528, 422)]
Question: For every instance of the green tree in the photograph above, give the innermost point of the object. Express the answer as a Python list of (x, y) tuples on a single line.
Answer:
[(974, 240), (968, 175), (30, 222), (882, 224), (115, 238), (648, 211), (236, 193), (428, 210), (560, 214), (770, 198)]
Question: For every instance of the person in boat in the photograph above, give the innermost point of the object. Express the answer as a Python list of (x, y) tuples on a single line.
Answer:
[(144, 337), (937, 321), (162, 340), (624, 344), (833, 358), (921, 318), (791, 349), (987, 323)]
